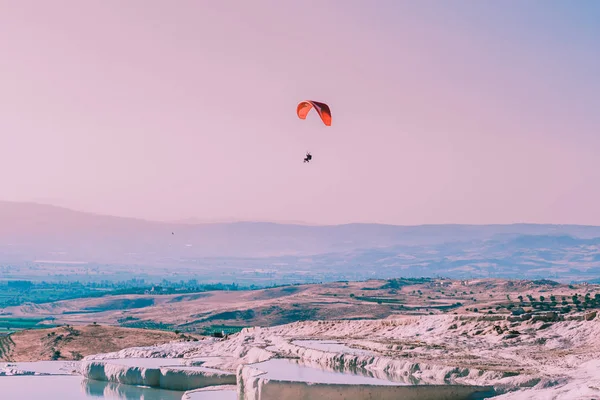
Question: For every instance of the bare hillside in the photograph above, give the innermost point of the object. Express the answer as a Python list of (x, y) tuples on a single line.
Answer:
[(74, 343), (375, 299)]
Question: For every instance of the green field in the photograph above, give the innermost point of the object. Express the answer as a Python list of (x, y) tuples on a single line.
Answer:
[(228, 329), (14, 324), (146, 324), (379, 300)]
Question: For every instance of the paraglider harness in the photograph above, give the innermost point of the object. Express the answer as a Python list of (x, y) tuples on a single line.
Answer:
[(308, 157)]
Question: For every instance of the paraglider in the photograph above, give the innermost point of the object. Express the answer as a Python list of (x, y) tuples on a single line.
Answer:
[(322, 109)]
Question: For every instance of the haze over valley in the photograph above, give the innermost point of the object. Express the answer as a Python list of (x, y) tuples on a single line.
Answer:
[(42, 242)]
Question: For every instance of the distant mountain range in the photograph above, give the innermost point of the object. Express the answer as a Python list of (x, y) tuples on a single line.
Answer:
[(231, 220), (30, 231)]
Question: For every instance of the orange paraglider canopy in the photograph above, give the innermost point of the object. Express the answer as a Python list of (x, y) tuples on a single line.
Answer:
[(322, 108)]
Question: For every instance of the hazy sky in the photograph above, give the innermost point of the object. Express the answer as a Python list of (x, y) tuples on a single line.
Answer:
[(443, 111)]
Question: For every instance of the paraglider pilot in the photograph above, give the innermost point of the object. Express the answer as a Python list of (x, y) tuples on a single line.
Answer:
[(308, 157)]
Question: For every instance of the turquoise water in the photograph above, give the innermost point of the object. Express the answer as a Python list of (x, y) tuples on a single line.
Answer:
[(64, 387), (44, 367), (213, 395)]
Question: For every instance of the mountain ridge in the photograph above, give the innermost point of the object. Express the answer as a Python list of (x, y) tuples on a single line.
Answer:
[(34, 231), (225, 221)]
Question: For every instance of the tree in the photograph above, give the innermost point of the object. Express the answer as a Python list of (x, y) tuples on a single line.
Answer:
[(587, 300)]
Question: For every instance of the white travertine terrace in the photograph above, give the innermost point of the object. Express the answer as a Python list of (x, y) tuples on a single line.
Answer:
[(520, 359)]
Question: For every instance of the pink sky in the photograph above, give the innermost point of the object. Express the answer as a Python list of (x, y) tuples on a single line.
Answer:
[(443, 112)]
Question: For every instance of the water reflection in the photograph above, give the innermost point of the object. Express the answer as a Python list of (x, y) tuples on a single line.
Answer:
[(112, 390), (65, 387), (293, 370), (346, 362), (346, 366)]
